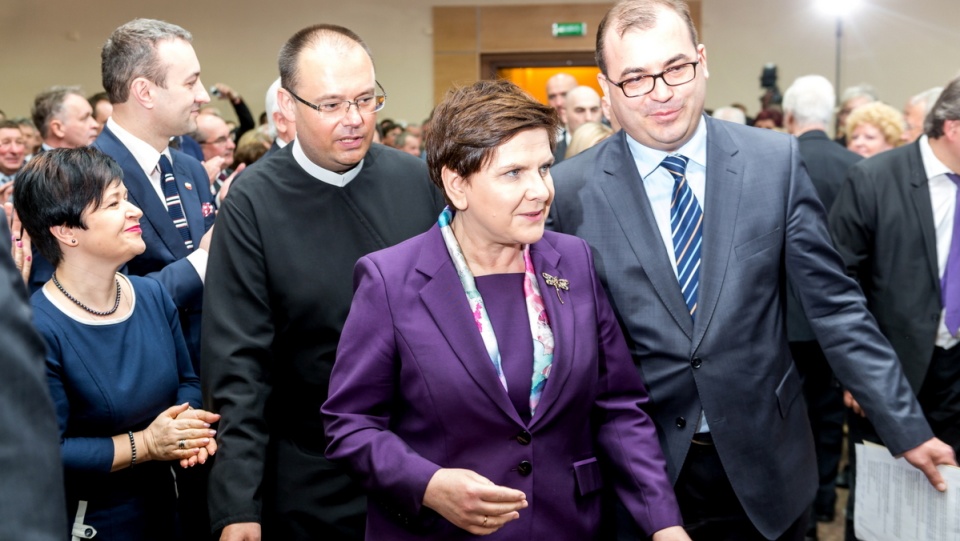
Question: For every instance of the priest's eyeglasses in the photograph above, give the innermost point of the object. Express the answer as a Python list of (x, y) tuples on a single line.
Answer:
[(366, 105), (642, 85)]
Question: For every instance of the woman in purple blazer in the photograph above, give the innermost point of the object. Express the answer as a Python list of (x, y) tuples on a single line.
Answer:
[(482, 384)]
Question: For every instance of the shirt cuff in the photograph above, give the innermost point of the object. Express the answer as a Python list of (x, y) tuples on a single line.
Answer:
[(199, 261)]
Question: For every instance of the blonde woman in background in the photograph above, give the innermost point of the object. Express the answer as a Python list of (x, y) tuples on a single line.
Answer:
[(586, 136), (874, 128)]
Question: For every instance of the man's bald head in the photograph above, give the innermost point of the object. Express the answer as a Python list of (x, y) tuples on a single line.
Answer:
[(557, 88), (582, 105)]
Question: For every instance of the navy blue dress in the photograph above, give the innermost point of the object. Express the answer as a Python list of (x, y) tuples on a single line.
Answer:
[(107, 378)]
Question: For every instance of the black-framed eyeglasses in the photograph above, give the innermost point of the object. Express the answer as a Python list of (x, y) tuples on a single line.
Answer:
[(366, 105), (634, 87)]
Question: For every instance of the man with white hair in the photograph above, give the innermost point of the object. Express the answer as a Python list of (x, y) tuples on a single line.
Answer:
[(852, 97), (916, 111), (581, 105), (282, 129), (808, 108)]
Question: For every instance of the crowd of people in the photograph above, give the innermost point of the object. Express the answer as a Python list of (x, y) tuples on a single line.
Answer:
[(603, 317)]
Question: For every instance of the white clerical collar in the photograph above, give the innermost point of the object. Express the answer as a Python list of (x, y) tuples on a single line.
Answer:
[(319, 173), (147, 157)]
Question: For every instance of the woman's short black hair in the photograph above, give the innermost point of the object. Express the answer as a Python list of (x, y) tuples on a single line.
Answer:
[(56, 187)]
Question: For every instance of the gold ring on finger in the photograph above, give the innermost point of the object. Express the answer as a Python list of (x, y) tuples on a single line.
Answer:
[(484, 525), (182, 444)]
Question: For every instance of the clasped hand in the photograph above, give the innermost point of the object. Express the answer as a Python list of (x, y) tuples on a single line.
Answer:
[(182, 423), (471, 501)]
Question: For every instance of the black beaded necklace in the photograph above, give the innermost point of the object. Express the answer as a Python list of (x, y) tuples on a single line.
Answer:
[(116, 303)]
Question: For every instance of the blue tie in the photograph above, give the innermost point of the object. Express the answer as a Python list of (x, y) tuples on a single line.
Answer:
[(686, 220), (171, 195)]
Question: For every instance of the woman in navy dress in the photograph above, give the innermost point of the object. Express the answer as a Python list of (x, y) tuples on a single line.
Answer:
[(117, 364)]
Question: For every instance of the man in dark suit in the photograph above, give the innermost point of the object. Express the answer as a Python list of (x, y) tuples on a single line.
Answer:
[(894, 224), (32, 504), (152, 76), (286, 244), (808, 110), (712, 345), (147, 111)]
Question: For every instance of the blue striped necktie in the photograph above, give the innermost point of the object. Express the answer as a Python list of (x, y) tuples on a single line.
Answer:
[(171, 196), (686, 220)]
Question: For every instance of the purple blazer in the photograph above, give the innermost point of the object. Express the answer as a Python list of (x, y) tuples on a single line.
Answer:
[(413, 390)]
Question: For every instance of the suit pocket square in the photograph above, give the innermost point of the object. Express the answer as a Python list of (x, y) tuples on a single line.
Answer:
[(756, 245), (587, 473)]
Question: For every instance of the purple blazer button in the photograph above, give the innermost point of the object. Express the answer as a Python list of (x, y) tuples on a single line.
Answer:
[(525, 468)]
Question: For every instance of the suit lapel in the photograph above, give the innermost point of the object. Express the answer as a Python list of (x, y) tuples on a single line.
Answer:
[(920, 193), (444, 298), (142, 193), (546, 259), (724, 186), (623, 188)]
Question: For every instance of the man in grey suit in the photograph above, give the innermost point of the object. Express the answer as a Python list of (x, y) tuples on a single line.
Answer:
[(713, 349), (894, 224), (32, 505)]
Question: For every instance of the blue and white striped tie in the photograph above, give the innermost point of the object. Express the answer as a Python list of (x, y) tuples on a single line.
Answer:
[(686, 219), (171, 195)]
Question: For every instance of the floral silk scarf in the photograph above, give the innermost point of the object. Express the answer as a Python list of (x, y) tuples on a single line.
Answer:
[(537, 313)]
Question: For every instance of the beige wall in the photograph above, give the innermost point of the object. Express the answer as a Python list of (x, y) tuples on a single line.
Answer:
[(901, 47)]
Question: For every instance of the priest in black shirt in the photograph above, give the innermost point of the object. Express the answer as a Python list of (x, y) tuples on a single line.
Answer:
[(281, 283)]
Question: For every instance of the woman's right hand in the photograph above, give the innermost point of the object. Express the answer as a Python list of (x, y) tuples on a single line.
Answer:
[(471, 501), (163, 435)]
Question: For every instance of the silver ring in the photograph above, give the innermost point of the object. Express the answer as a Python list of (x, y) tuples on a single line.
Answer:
[(182, 444)]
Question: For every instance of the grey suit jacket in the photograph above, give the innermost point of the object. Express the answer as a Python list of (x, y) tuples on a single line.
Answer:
[(882, 223), (763, 225), (827, 164), (32, 505)]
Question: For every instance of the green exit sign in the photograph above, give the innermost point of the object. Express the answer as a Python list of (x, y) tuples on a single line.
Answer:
[(569, 30)]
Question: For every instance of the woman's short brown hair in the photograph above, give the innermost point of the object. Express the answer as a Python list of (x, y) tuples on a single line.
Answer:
[(473, 121)]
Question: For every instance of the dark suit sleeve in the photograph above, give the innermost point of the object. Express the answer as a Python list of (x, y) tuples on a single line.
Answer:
[(32, 504), (189, 389), (626, 432), (852, 221), (238, 333), (182, 282), (859, 354), (362, 387), (245, 121)]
